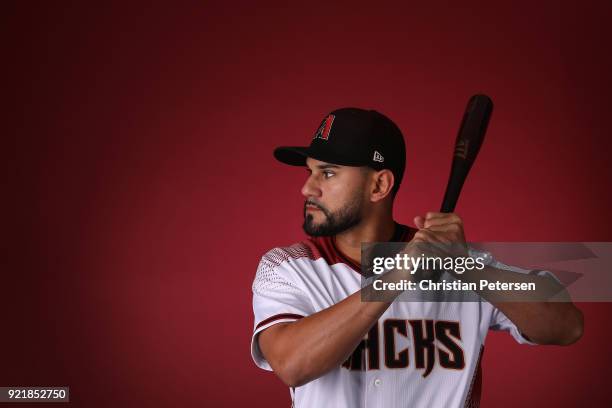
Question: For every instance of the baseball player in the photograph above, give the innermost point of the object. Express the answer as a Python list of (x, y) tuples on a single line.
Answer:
[(333, 349)]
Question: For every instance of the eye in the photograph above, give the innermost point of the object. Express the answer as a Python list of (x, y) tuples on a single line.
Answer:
[(328, 173)]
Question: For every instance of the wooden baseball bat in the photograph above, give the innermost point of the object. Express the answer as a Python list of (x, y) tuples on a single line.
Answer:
[(469, 139)]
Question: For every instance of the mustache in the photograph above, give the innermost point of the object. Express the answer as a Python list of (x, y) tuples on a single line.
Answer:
[(315, 204)]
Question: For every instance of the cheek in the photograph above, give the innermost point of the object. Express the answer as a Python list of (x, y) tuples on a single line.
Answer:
[(342, 191)]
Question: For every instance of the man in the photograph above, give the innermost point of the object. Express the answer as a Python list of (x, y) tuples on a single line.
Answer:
[(312, 326)]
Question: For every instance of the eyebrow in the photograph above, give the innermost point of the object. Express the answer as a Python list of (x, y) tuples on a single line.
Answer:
[(327, 166), (324, 167)]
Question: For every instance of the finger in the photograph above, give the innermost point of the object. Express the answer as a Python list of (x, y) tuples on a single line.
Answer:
[(450, 238), (431, 215), (432, 243), (440, 235), (424, 235), (446, 219), (422, 248), (419, 222), (452, 228)]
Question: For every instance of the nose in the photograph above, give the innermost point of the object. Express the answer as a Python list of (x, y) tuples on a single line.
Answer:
[(311, 188)]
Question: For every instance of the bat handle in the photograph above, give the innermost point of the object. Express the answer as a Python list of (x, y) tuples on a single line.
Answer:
[(454, 186), (447, 207)]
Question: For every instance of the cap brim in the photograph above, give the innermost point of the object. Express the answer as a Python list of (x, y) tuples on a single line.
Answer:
[(291, 155)]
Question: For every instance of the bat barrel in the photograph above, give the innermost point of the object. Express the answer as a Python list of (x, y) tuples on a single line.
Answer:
[(469, 140)]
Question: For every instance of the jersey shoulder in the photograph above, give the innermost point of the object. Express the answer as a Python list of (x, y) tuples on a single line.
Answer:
[(276, 256), (276, 271)]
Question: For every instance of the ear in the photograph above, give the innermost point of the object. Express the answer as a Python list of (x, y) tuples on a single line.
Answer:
[(383, 182)]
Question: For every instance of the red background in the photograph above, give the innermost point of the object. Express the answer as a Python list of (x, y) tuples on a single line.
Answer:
[(141, 188)]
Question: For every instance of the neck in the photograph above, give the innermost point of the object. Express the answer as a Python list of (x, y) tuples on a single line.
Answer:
[(376, 229)]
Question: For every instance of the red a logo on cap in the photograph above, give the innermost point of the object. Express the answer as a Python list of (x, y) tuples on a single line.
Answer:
[(325, 128)]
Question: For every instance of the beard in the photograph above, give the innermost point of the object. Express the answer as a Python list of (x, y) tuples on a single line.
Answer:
[(335, 222)]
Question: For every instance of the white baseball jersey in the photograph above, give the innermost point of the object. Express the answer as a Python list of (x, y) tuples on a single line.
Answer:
[(418, 354)]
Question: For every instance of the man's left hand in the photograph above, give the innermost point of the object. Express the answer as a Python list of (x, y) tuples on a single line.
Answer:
[(442, 230)]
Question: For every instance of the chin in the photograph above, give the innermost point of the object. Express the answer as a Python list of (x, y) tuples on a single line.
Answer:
[(311, 228)]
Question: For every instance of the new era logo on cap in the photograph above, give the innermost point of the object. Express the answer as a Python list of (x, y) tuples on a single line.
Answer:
[(378, 157), (325, 128)]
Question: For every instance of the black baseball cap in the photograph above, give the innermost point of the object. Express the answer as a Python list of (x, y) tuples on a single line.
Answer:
[(353, 137)]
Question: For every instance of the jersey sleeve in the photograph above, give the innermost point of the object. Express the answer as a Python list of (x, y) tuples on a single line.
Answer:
[(277, 297), (499, 321)]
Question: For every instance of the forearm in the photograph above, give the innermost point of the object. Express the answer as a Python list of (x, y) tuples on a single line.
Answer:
[(306, 349), (542, 321), (559, 323)]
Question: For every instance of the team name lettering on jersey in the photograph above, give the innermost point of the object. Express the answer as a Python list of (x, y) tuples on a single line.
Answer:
[(430, 340)]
